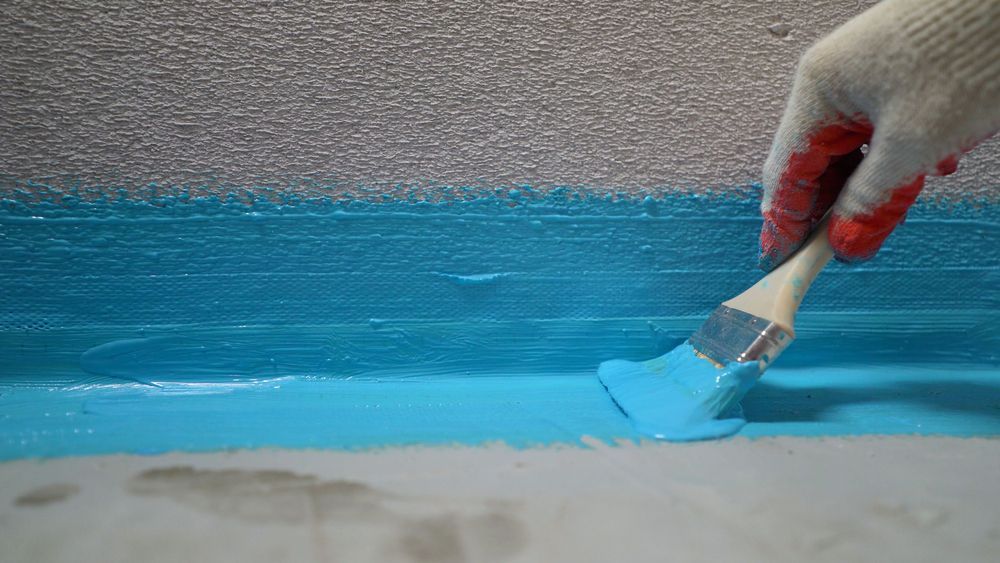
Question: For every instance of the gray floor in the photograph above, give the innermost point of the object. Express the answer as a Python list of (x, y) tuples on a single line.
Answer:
[(783, 499)]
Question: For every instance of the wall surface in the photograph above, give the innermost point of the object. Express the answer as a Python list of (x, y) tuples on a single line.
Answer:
[(585, 93)]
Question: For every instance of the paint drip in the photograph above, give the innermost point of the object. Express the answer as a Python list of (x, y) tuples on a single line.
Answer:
[(679, 396)]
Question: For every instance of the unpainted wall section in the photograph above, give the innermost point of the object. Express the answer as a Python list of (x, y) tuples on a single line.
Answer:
[(584, 93)]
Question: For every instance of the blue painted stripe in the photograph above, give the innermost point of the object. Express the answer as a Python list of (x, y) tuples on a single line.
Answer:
[(347, 323)]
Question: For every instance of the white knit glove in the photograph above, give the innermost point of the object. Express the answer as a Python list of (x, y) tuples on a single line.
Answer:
[(919, 80)]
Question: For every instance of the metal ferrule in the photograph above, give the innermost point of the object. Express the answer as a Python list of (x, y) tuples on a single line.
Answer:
[(731, 335)]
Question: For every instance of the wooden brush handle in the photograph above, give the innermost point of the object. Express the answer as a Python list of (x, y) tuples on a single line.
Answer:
[(777, 295)]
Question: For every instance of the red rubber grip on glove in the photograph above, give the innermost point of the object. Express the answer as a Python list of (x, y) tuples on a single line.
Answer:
[(808, 187), (858, 238)]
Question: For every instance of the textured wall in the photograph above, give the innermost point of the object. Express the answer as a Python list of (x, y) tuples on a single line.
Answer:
[(633, 93)]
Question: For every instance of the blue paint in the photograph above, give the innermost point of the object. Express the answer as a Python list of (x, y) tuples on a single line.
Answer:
[(476, 279), (477, 407), (679, 396), (147, 360), (306, 413), (196, 323)]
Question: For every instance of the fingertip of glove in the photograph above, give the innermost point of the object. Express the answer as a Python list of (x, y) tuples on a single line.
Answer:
[(766, 262), (844, 259), (774, 247), (854, 241), (948, 165)]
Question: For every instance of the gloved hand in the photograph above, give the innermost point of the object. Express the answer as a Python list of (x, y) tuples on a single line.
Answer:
[(919, 80)]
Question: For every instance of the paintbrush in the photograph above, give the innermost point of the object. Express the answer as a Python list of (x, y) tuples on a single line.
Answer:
[(758, 324), (693, 391)]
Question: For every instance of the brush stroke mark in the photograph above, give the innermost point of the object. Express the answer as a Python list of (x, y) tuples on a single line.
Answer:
[(108, 263), (476, 279)]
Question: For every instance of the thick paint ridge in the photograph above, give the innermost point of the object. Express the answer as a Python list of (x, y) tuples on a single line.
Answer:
[(70, 197)]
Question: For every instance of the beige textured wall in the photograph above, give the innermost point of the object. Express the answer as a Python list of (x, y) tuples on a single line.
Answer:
[(616, 93)]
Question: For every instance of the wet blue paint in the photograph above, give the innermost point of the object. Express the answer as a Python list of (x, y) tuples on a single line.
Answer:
[(580, 255), (177, 322), (302, 412), (475, 408), (679, 396)]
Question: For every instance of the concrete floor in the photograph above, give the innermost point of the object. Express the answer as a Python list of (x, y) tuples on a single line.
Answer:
[(773, 499)]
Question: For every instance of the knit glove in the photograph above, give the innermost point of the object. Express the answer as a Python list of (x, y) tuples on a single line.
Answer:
[(919, 81)]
